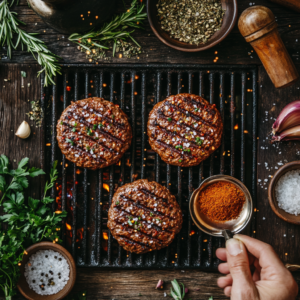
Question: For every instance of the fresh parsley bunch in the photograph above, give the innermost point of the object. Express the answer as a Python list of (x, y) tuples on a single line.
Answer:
[(27, 223)]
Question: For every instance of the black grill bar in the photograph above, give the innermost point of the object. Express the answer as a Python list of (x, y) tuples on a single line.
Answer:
[(222, 112), (64, 168), (254, 150), (85, 187), (74, 192), (232, 111), (136, 89)]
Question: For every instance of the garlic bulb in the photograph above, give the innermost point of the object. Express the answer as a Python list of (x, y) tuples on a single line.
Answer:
[(23, 131)]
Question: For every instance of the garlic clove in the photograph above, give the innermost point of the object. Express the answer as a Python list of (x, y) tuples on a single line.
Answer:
[(24, 130), (159, 284), (288, 135), (289, 117)]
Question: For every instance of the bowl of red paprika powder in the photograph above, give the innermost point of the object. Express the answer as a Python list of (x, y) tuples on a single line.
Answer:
[(221, 203)]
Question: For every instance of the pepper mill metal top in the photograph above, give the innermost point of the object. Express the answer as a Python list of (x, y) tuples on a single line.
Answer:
[(258, 26)]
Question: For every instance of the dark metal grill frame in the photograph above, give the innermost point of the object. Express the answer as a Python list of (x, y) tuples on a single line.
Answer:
[(113, 258)]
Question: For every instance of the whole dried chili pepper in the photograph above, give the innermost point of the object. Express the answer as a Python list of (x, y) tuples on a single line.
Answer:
[(221, 201)]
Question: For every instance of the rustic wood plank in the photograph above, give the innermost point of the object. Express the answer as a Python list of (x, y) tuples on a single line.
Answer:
[(120, 285), (284, 237), (233, 50), (14, 104)]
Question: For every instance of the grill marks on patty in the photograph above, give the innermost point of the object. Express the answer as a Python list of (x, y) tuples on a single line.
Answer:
[(184, 129), (93, 133), (144, 217)]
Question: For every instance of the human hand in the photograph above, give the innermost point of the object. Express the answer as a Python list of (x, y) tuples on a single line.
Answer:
[(270, 279)]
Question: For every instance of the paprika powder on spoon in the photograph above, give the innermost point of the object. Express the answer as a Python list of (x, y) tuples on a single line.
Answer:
[(221, 201)]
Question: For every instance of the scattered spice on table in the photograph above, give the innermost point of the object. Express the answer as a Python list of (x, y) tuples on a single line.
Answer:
[(123, 50), (36, 113), (221, 201), (190, 21)]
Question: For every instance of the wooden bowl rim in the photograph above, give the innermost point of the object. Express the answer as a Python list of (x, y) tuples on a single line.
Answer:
[(199, 48), (280, 172), (72, 278)]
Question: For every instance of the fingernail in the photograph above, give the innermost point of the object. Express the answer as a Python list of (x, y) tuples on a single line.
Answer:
[(234, 247)]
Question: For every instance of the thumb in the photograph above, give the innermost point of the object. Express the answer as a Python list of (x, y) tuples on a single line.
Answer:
[(243, 286)]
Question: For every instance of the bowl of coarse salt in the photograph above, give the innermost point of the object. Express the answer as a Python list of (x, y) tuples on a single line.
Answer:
[(284, 193), (48, 272)]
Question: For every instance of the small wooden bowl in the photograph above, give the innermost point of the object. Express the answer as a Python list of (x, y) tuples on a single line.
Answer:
[(23, 285), (229, 21), (295, 165)]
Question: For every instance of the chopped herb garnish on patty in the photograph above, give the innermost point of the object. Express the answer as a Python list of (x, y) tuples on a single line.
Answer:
[(196, 109), (117, 202), (180, 160), (178, 146), (74, 129), (88, 148), (75, 124), (199, 141), (95, 126), (61, 122), (170, 119), (90, 132), (151, 214), (100, 125), (70, 141), (112, 116)]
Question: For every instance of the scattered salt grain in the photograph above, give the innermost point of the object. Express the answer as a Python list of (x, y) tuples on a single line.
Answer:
[(287, 192), (47, 272)]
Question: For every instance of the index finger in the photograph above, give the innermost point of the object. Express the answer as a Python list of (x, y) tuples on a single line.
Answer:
[(262, 251)]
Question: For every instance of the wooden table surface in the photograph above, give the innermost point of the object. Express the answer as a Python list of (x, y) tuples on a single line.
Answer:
[(114, 284)]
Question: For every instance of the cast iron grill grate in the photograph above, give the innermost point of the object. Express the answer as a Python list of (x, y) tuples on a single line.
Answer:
[(136, 88)]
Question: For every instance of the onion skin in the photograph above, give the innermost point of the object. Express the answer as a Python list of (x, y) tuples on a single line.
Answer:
[(288, 135), (288, 118)]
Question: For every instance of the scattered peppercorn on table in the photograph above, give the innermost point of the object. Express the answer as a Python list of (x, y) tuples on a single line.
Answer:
[(138, 284)]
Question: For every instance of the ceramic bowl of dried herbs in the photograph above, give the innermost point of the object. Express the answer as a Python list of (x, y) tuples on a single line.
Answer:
[(192, 25)]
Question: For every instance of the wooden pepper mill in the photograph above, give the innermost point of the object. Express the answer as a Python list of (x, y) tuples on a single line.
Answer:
[(257, 24), (292, 4)]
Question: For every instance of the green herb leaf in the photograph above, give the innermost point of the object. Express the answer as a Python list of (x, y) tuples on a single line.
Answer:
[(70, 141), (33, 172), (23, 73)]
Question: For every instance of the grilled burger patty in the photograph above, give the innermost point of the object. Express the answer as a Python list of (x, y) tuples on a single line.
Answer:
[(93, 133), (184, 129), (144, 216)]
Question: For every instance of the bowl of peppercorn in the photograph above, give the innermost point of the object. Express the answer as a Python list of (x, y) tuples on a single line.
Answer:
[(47, 271), (192, 26)]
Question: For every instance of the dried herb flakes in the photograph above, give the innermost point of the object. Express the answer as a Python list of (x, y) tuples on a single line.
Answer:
[(190, 21), (36, 113)]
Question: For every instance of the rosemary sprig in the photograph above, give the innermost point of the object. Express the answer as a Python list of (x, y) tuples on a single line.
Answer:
[(111, 32), (9, 27)]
